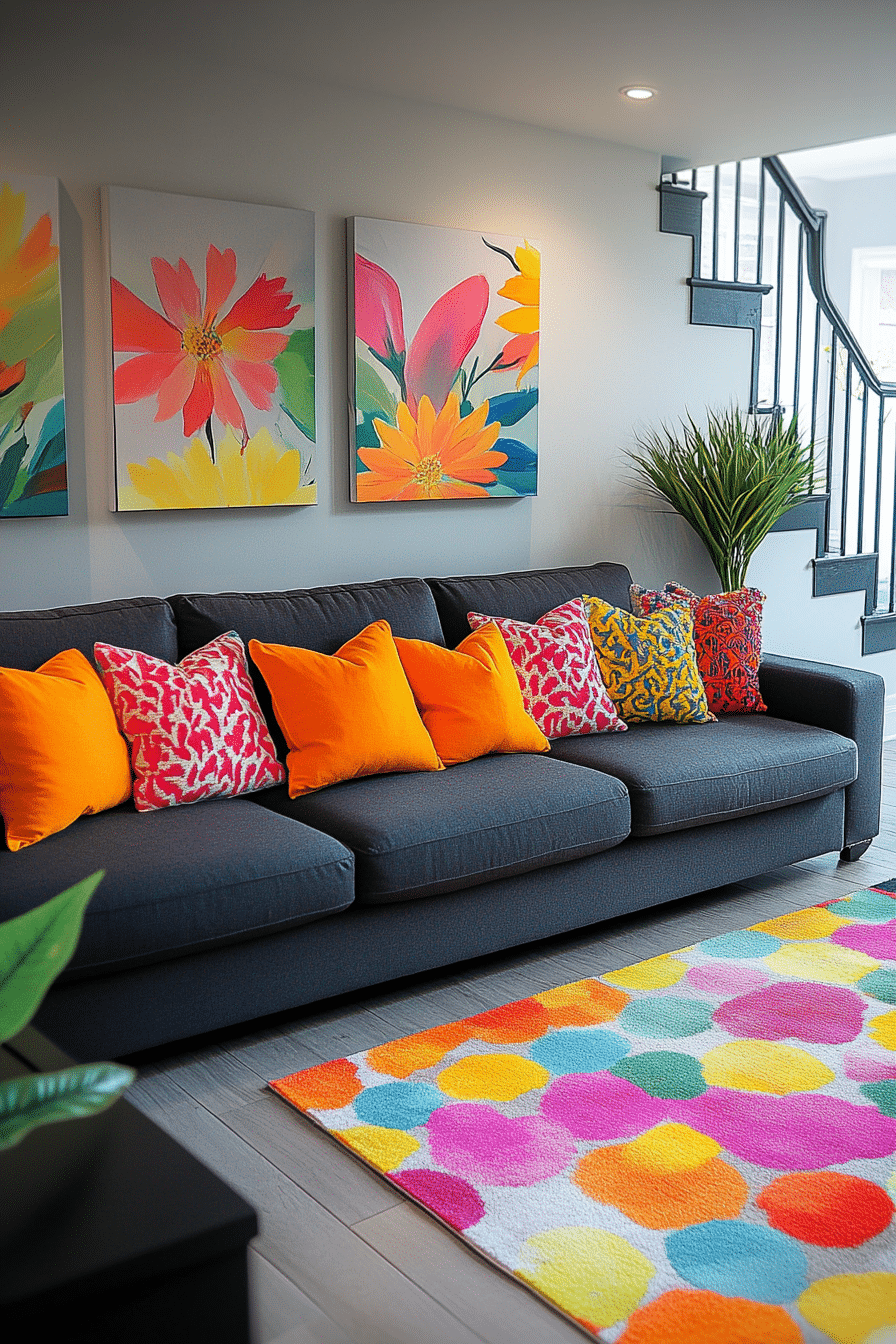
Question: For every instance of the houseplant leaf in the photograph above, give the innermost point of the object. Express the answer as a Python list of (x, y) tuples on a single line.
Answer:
[(34, 948), (41, 1098)]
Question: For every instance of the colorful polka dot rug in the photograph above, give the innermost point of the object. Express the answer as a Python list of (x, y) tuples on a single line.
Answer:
[(699, 1149)]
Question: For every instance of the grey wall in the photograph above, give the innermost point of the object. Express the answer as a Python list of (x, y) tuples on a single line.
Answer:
[(616, 351)]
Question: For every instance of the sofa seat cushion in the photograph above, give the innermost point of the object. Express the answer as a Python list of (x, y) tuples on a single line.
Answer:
[(416, 835), (181, 880), (682, 775)]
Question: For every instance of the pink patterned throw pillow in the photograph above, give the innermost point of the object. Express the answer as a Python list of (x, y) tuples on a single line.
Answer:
[(195, 729), (558, 671)]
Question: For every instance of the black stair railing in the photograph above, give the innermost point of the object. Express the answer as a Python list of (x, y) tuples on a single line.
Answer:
[(759, 262)]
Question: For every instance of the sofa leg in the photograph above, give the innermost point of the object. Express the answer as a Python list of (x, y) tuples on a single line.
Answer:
[(853, 852)]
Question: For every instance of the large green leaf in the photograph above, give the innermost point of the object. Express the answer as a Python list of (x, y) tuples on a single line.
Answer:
[(295, 369), (34, 948), (41, 1098)]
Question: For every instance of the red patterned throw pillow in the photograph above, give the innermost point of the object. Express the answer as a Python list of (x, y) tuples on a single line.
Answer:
[(195, 729), (557, 670), (728, 638)]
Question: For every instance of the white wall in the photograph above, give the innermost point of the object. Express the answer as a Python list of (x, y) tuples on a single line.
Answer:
[(617, 352)]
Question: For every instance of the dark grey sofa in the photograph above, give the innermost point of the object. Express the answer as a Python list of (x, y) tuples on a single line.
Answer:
[(217, 913)]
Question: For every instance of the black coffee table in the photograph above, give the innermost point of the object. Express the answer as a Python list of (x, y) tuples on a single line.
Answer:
[(140, 1243)]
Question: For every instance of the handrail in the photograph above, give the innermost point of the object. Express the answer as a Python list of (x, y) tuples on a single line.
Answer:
[(815, 222)]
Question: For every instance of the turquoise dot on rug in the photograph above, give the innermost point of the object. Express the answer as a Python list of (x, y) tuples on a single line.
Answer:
[(579, 1050), (398, 1105), (663, 1073), (880, 984), (666, 1015), (873, 905), (739, 1260), (883, 1095), (745, 943)]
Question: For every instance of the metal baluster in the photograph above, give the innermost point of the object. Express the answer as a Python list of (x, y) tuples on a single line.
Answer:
[(847, 426), (737, 221), (880, 477), (760, 224), (832, 394), (863, 449), (799, 321), (779, 303), (716, 179)]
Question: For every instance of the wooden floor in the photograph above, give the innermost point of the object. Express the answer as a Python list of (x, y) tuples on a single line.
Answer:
[(341, 1257)]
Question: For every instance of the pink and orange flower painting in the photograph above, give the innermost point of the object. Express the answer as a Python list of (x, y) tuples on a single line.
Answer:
[(213, 338), (445, 334)]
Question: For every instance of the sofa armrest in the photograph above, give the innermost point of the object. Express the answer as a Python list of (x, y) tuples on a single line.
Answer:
[(846, 701)]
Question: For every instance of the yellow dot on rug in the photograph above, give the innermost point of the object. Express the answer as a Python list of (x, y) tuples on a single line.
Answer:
[(812, 923), (764, 1066), (850, 1307), (671, 1147), (657, 973), (883, 1030), (827, 962), (598, 1277), (491, 1077), (385, 1149)]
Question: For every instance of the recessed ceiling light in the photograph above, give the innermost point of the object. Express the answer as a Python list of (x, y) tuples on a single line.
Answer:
[(638, 93)]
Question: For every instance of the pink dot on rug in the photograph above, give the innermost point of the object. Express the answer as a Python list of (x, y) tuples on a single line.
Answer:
[(480, 1144), (802, 1012), (450, 1198), (719, 979), (601, 1106), (875, 940), (790, 1133)]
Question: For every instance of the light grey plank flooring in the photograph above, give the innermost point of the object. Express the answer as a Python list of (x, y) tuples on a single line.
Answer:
[(342, 1258)]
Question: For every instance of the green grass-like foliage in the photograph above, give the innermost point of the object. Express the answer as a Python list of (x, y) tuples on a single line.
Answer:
[(731, 481), (34, 948)]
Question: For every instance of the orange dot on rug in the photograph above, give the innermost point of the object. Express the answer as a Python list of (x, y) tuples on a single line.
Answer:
[(323, 1087), (681, 1316), (524, 1020), (582, 1003), (401, 1058), (669, 1177)]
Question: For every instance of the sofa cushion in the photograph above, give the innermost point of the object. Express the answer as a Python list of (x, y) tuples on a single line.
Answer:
[(322, 619), (29, 638), (181, 880), (417, 835), (681, 775), (524, 596)]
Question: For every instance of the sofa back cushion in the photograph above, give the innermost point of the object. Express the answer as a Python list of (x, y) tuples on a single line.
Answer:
[(322, 619), (524, 596), (30, 638)]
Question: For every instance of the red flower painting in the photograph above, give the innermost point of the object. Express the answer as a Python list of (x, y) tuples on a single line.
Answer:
[(192, 359)]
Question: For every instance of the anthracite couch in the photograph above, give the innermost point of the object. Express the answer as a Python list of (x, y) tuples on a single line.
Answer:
[(213, 914)]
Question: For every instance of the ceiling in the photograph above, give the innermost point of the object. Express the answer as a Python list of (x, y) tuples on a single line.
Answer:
[(735, 78), (839, 163)]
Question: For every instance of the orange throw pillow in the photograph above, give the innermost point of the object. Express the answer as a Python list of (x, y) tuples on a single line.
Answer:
[(469, 697), (61, 754), (345, 714)]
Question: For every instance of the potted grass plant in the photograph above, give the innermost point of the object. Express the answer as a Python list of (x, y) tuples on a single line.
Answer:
[(731, 480)]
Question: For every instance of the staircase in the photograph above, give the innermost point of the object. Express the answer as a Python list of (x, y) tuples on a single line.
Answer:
[(759, 263)]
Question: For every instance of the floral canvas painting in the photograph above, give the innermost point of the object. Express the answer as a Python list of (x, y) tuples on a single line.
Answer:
[(213, 345), (33, 481), (445, 330)]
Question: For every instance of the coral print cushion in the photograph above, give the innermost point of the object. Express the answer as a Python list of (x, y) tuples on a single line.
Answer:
[(195, 729), (557, 671), (728, 638)]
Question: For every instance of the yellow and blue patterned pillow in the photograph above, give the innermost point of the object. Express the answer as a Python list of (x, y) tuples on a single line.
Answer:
[(648, 663)]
